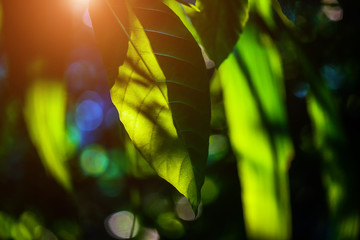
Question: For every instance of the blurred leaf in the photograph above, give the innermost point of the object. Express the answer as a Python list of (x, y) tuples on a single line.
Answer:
[(330, 141), (162, 93), (20, 232), (6, 224), (44, 111), (264, 9), (219, 24), (254, 103)]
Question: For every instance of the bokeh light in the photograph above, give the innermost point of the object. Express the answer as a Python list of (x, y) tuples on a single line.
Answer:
[(149, 234), (118, 164), (332, 10), (184, 210), (218, 147), (123, 225), (94, 160), (301, 90), (333, 76), (89, 115), (74, 138)]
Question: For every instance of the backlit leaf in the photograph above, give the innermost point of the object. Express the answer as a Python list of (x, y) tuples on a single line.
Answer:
[(254, 102), (162, 92), (45, 109)]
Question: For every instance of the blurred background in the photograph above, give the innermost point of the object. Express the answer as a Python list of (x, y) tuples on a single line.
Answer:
[(68, 170)]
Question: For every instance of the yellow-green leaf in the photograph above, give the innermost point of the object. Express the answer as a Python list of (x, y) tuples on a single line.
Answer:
[(44, 111), (254, 102), (162, 93)]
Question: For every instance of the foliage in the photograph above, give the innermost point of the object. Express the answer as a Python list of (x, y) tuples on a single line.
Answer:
[(249, 110), (45, 115), (161, 93), (254, 104)]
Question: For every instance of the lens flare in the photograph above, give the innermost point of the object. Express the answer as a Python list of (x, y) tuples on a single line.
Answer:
[(89, 115), (123, 225), (86, 19), (94, 161)]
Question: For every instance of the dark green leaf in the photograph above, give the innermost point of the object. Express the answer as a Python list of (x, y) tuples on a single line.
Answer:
[(219, 24)]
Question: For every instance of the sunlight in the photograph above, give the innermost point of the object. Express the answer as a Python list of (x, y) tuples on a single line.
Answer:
[(79, 5)]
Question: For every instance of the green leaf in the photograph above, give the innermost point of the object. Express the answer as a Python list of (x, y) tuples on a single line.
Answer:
[(255, 109), (162, 93), (219, 24), (45, 110)]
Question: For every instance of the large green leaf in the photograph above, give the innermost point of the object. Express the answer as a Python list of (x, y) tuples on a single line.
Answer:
[(255, 109), (219, 24), (162, 92)]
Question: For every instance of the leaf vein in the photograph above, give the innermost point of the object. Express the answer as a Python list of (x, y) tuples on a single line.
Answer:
[(180, 84), (173, 57), (183, 103), (159, 32), (155, 10)]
